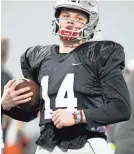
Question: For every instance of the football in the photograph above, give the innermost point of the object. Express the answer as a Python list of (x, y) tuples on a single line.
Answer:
[(36, 94)]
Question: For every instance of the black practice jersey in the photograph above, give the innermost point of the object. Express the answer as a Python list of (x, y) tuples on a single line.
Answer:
[(88, 78)]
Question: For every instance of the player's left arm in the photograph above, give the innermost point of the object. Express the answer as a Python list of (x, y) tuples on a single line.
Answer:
[(115, 95)]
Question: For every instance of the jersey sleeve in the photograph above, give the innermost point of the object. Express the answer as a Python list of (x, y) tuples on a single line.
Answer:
[(31, 60), (19, 114), (116, 100), (30, 63)]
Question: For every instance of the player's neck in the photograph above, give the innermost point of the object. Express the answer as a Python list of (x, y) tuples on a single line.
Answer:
[(66, 47)]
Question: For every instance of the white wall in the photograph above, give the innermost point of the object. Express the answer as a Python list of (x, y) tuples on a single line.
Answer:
[(28, 23)]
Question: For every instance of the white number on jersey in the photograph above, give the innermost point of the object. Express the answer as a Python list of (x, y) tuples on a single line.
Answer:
[(66, 88)]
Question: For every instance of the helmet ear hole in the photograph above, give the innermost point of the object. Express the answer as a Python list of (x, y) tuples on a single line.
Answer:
[(94, 27), (92, 35), (57, 27)]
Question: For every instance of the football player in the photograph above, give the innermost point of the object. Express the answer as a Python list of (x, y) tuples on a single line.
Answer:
[(82, 87)]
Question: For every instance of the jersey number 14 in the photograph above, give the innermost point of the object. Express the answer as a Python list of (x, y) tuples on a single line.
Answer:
[(66, 87)]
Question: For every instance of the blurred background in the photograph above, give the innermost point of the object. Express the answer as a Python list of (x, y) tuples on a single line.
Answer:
[(28, 23)]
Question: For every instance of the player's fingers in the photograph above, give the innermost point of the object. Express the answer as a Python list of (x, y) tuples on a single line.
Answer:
[(59, 125), (54, 118), (57, 122), (16, 83), (22, 90), (10, 82), (24, 101), (22, 97), (55, 112)]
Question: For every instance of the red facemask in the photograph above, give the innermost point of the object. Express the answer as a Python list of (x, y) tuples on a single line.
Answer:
[(68, 33)]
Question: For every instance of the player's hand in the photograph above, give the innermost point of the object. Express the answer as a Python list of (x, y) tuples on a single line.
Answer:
[(62, 118), (12, 97)]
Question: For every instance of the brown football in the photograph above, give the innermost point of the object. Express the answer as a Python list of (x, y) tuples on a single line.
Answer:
[(36, 94)]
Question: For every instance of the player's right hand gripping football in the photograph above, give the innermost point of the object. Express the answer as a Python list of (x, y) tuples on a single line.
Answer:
[(12, 97)]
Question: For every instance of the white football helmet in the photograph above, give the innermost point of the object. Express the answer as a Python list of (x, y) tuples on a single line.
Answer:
[(90, 7)]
